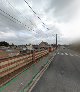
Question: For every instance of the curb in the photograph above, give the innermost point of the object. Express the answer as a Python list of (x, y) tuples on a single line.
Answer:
[(37, 77)]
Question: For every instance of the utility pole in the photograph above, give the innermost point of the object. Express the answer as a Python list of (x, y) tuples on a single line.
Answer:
[(56, 41)]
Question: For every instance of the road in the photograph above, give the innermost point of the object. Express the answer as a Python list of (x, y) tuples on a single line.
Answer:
[(63, 74)]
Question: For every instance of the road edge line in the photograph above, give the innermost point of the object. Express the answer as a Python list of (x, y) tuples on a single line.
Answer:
[(38, 76)]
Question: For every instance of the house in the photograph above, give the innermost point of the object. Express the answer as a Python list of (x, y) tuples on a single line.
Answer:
[(29, 47), (43, 45), (36, 47)]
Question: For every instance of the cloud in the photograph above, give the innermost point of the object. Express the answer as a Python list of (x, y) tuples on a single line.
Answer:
[(60, 16), (63, 10)]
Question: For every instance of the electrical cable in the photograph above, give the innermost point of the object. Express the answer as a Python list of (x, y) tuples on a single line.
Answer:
[(12, 18), (35, 14)]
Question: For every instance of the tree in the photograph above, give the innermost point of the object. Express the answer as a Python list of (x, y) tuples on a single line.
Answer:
[(3, 43)]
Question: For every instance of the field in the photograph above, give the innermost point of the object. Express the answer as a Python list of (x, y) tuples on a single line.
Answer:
[(3, 54), (8, 53)]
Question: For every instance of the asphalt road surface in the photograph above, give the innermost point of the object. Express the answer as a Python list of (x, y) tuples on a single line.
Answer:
[(63, 74)]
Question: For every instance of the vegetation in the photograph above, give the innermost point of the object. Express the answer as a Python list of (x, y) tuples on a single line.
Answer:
[(3, 43)]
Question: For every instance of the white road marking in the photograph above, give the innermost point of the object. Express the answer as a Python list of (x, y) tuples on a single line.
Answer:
[(62, 53), (71, 54), (77, 55), (66, 54), (58, 53)]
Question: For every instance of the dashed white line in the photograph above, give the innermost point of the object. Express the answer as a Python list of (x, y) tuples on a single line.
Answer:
[(71, 54), (62, 53), (66, 54), (58, 53), (77, 55)]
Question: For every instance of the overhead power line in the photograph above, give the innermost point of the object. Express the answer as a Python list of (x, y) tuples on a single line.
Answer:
[(12, 18), (19, 12), (36, 14), (15, 20)]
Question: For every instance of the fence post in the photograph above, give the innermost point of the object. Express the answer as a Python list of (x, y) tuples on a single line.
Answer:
[(33, 55)]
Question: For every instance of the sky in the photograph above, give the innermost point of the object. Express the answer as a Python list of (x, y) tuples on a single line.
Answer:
[(19, 25)]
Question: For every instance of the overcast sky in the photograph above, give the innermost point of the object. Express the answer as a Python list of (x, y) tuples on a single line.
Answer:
[(19, 25)]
